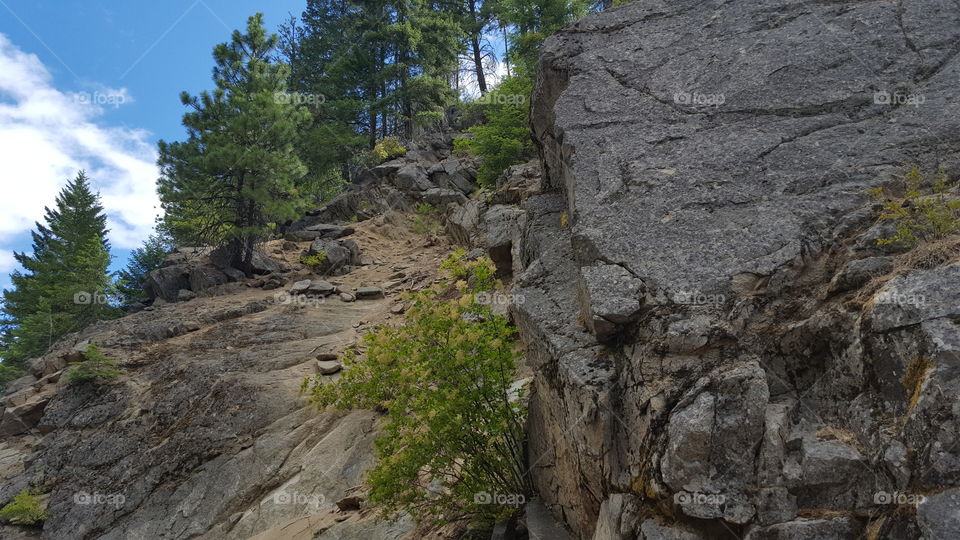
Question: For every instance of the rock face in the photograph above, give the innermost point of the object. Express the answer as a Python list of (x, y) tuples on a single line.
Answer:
[(691, 272), (204, 436)]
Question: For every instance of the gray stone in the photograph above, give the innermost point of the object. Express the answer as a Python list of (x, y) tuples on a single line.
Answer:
[(347, 297), (320, 288), (939, 515), (167, 282), (365, 293), (610, 299), (261, 263), (328, 367), (440, 198), (651, 530), (858, 272), (840, 528), (300, 287), (184, 294), (412, 178)]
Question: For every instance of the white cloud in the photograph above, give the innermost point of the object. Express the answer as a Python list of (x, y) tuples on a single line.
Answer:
[(47, 135), (7, 262)]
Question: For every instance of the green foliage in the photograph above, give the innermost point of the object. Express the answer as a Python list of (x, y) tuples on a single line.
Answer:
[(533, 21), (478, 274), (504, 140), (132, 280), (929, 209), (238, 174), (453, 432), (426, 220), (461, 147), (24, 510), (64, 285), (386, 149), (316, 262), (95, 366)]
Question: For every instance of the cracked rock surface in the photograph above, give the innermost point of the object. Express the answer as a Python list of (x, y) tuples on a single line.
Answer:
[(755, 381)]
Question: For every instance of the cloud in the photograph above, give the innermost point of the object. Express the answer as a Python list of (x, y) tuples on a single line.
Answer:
[(7, 262), (47, 135)]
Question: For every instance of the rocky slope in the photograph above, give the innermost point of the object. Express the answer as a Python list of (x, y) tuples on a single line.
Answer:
[(707, 364), (205, 435)]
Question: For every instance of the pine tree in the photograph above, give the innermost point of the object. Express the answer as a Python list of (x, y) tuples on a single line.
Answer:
[(132, 280), (64, 285), (238, 174)]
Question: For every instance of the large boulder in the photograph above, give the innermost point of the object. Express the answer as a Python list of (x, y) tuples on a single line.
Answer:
[(721, 158), (168, 281)]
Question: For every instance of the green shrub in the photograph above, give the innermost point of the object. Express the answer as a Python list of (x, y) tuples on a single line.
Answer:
[(24, 509), (94, 366), (461, 147), (452, 444), (426, 220), (504, 140), (927, 211), (316, 262), (386, 149)]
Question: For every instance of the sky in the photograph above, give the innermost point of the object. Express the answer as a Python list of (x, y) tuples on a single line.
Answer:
[(93, 85)]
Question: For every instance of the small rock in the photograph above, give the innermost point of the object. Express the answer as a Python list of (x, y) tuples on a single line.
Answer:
[(397, 309), (369, 292), (183, 295), (347, 297), (321, 288), (290, 246), (397, 275), (300, 287), (326, 357), (328, 367)]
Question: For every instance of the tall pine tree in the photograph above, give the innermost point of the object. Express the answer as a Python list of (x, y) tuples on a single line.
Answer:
[(238, 173), (64, 285)]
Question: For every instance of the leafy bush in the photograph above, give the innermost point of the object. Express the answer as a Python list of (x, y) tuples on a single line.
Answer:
[(927, 211), (426, 220), (504, 140), (94, 366), (454, 433), (316, 262), (461, 147), (24, 509), (386, 149)]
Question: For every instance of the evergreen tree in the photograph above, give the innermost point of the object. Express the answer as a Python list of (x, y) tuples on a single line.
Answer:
[(132, 280), (238, 174), (64, 285)]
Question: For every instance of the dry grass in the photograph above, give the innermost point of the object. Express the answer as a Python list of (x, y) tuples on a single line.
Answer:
[(924, 256), (916, 375)]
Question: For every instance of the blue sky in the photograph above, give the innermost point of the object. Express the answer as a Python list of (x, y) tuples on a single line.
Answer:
[(94, 84)]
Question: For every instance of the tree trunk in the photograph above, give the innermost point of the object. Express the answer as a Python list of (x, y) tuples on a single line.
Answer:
[(477, 53)]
